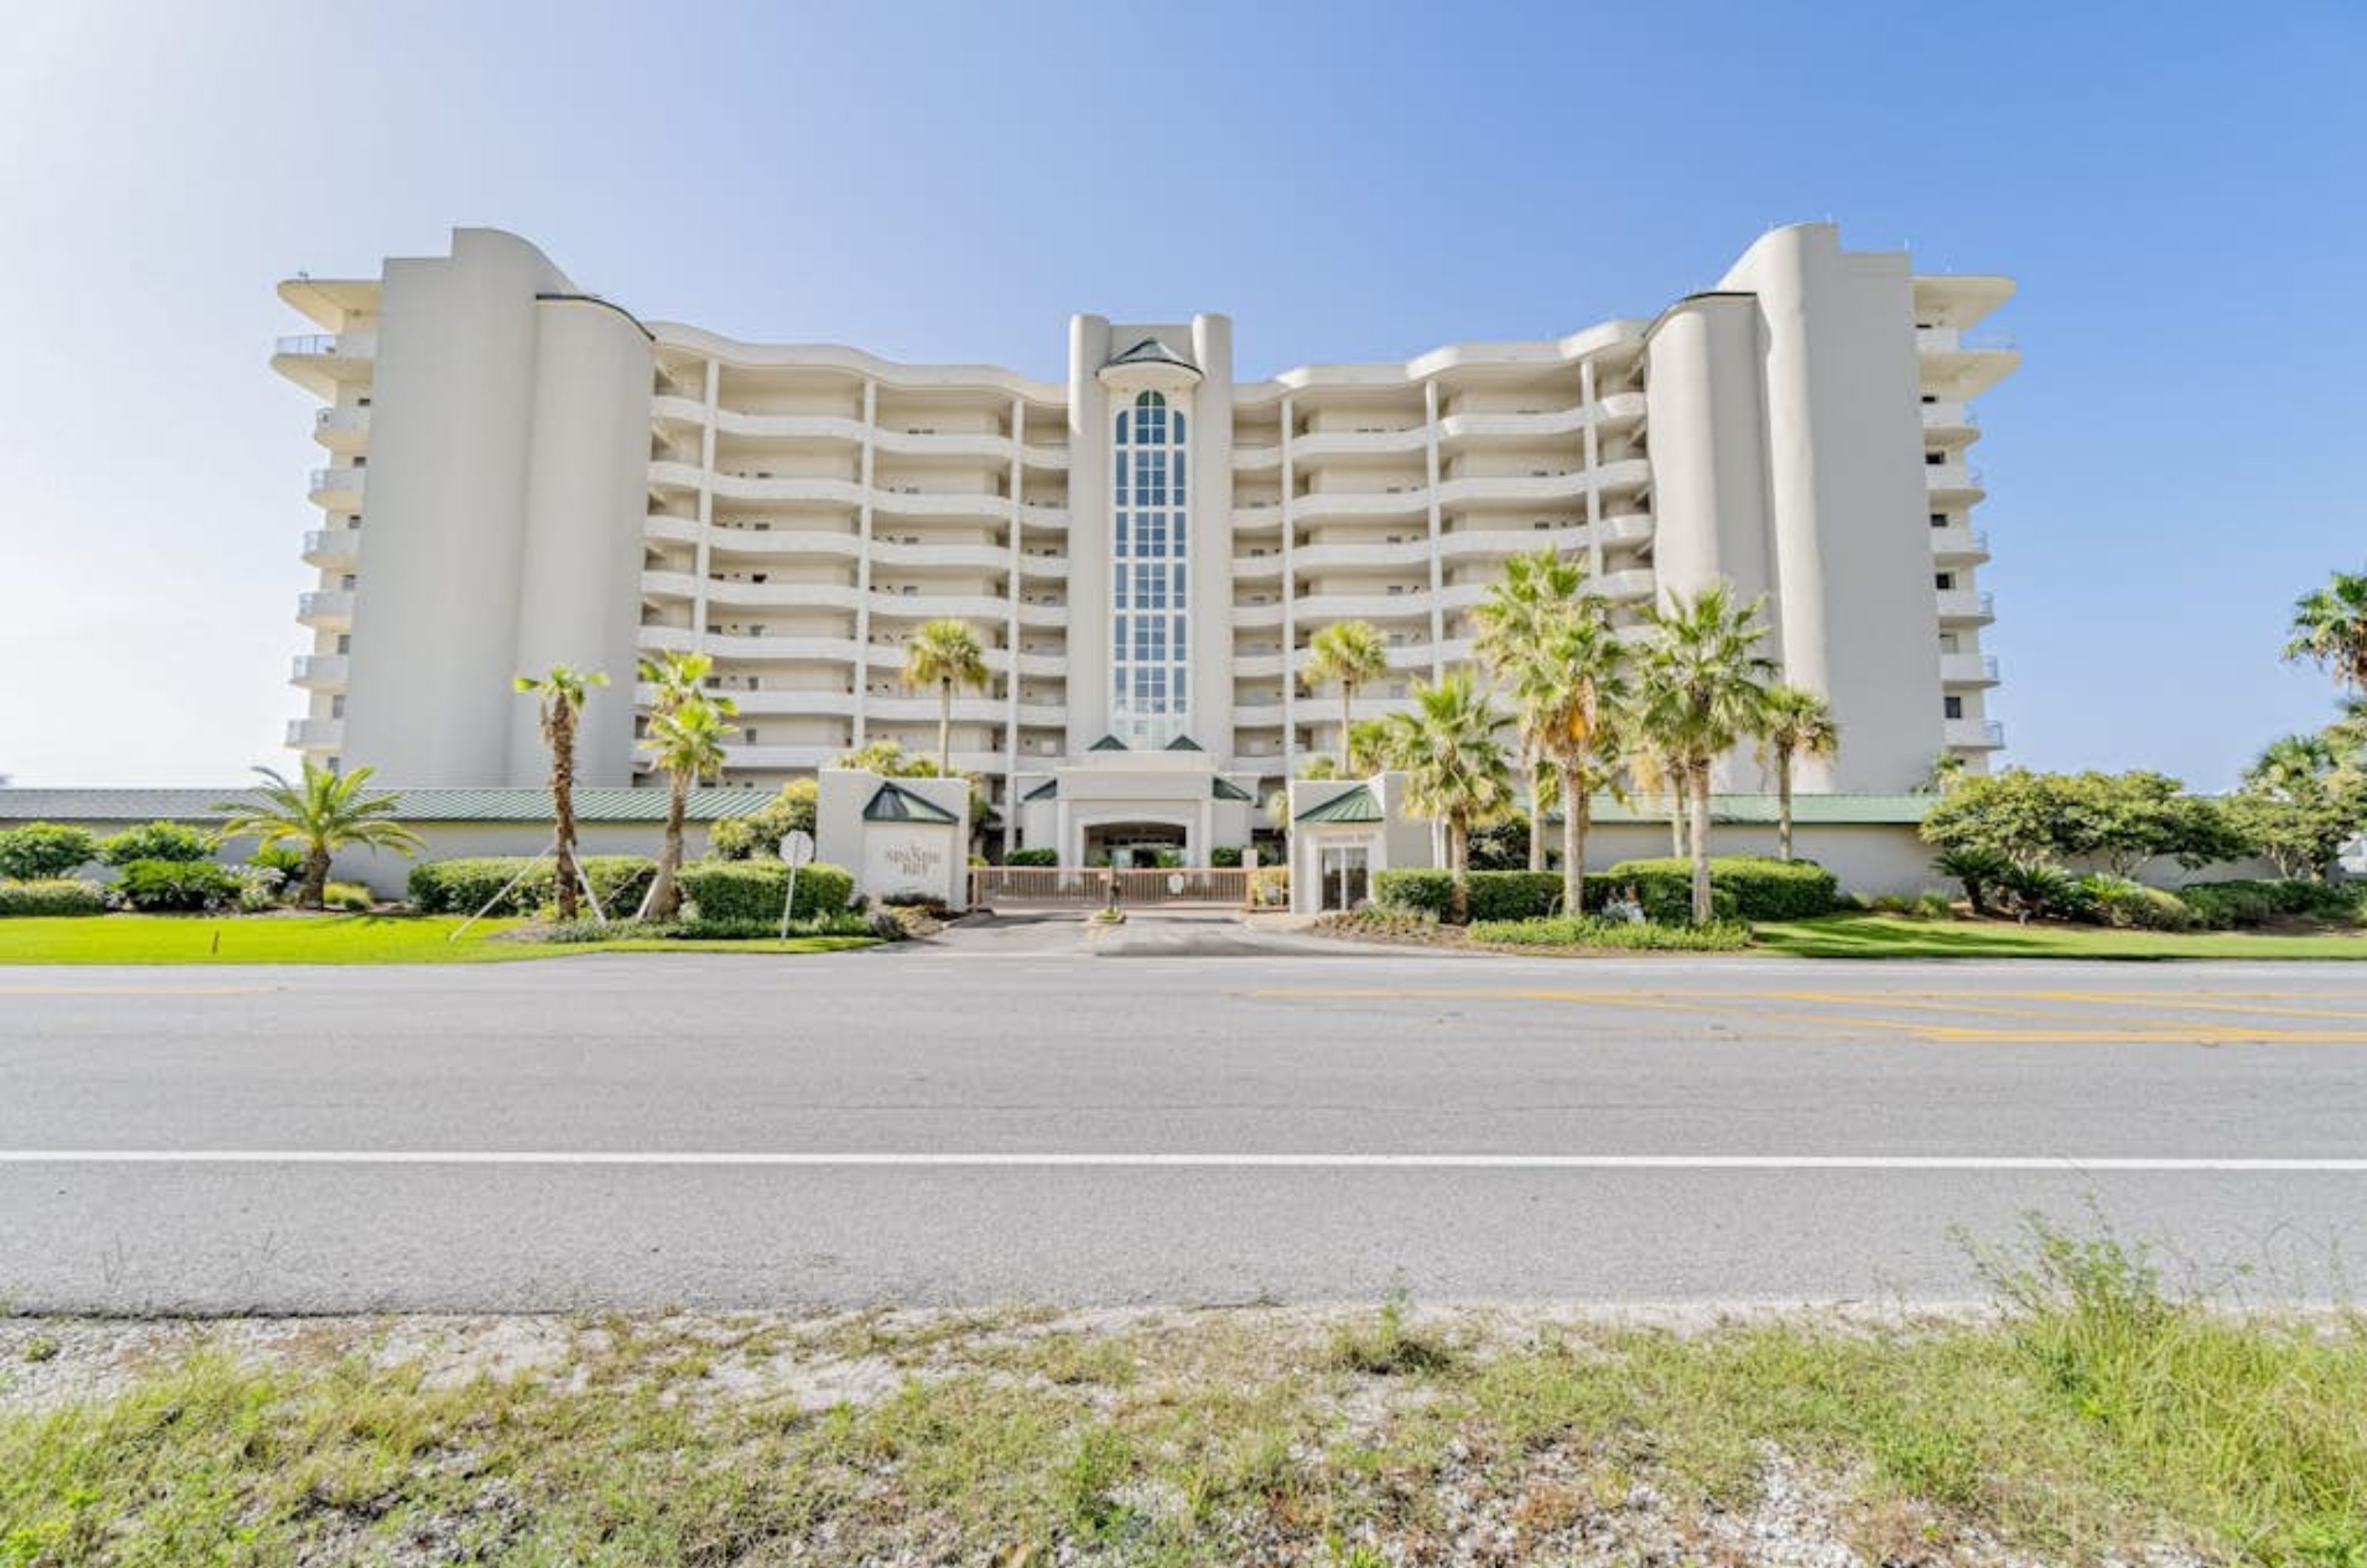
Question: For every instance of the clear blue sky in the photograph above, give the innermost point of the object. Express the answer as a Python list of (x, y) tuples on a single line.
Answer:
[(2180, 189)]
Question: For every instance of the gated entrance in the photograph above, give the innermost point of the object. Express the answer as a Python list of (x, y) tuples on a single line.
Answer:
[(1093, 887)]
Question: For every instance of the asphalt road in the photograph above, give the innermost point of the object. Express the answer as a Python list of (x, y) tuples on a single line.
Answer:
[(1175, 1112)]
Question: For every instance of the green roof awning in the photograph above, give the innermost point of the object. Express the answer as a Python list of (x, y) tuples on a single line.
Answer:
[(1356, 806), (1107, 743), (896, 804), (1043, 791), (1183, 743), (1225, 789)]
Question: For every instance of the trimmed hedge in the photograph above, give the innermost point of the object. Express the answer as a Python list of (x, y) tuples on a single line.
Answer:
[(750, 892), (45, 851), (1494, 894), (463, 886), (1032, 857), (159, 841), (2224, 905), (1761, 888), (179, 887), (50, 896), (1718, 936)]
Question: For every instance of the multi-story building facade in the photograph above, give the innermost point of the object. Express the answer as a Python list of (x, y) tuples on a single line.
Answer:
[(523, 474)]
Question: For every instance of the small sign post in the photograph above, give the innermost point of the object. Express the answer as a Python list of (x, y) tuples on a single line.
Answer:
[(796, 849)]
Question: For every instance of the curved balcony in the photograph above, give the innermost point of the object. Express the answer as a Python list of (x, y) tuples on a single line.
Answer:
[(1034, 457), (335, 549), (1960, 546), (929, 606), (1976, 734), (1042, 617), (1408, 504), (759, 484), (1256, 459), (1258, 567), (726, 593), (1049, 515), (665, 525), (977, 506), (1339, 554), (1512, 489), (1962, 605), (318, 672), (1050, 568), (321, 362), (1253, 617), (1467, 544), (1400, 442), (315, 734), (1969, 669), (1314, 607), (338, 490), (926, 556), (922, 708), (723, 539), (344, 429), (326, 610), (1954, 483)]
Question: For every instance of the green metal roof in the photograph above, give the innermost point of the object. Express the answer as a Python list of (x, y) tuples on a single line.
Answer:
[(1356, 805), (1225, 789), (598, 804), (1043, 791), (1107, 743), (1183, 743), (894, 803)]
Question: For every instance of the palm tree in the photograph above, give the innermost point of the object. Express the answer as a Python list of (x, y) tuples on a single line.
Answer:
[(1656, 774), (1793, 722), (2290, 765), (1355, 655), (2329, 627), (1947, 773), (1570, 690), (559, 694), (323, 812), (945, 654), (1536, 594), (1455, 769), (1703, 685), (679, 677), (687, 741)]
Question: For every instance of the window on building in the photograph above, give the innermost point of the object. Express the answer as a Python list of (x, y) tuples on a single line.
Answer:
[(1949, 642), (1934, 459), (1952, 707), (1149, 536), (344, 642), (1939, 519), (1944, 581)]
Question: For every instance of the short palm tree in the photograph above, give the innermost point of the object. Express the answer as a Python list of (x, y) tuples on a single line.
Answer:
[(686, 742), (945, 654), (1793, 722), (2329, 627), (1353, 654), (1570, 691), (1523, 610), (1947, 773), (1456, 771), (321, 813), (1701, 687), (559, 694)]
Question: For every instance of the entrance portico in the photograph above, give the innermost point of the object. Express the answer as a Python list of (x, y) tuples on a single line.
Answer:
[(1113, 797)]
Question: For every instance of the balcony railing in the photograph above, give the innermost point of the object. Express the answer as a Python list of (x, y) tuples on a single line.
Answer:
[(310, 734), (319, 670), (327, 346), (325, 604), (332, 481)]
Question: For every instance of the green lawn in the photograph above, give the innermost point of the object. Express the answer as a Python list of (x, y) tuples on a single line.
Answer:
[(1889, 936), (320, 938)]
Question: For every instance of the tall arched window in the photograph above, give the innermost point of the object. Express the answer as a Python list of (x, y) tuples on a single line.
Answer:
[(1149, 574)]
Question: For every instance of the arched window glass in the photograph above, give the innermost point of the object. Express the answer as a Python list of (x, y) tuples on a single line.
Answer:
[(1149, 574)]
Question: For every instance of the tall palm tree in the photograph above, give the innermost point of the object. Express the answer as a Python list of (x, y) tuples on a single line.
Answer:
[(687, 741), (2290, 765), (945, 654), (1656, 776), (1570, 690), (1355, 655), (1537, 593), (323, 812), (1793, 722), (1701, 688), (1456, 771), (2329, 626), (559, 694)]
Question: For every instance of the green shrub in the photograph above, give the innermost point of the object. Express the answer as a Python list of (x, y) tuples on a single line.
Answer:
[(1225, 855), (179, 887), (50, 896), (750, 892), (45, 851), (2131, 906), (1762, 889), (157, 842), (1381, 920), (287, 863), (1978, 869), (1494, 894), (351, 896), (464, 886), (758, 836), (1921, 907), (1934, 907), (1588, 930), (1032, 857), (2226, 906)]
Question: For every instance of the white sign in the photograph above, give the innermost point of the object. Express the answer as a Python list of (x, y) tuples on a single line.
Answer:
[(797, 847)]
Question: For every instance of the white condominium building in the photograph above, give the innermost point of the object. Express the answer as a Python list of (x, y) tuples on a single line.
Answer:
[(521, 473)]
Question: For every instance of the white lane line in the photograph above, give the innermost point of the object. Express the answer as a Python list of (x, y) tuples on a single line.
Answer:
[(1055, 1160)]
